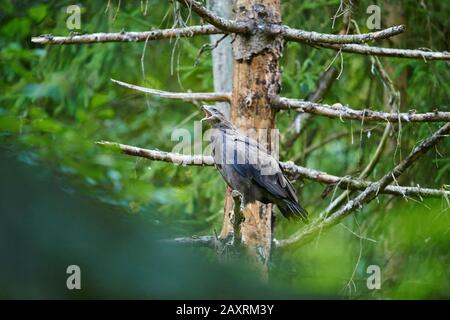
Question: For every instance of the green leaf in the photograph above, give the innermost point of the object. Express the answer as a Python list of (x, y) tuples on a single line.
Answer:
[(37, 13), (99, 99), (106, 114), (10, 124), (47, 125), (17, 28)]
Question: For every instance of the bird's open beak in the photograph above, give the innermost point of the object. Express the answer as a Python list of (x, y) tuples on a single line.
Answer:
[(207, 113)]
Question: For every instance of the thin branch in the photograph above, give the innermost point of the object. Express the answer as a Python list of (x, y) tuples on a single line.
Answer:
[(316, 37), (187, 96), (136, 36), (295, 171), (208, 46), (342, 112), (388, 52), (177, 158), (128, 36), (291, 169), (369, 193), (324, 83)]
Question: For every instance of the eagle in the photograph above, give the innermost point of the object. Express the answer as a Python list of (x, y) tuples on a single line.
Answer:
[(247, 167)]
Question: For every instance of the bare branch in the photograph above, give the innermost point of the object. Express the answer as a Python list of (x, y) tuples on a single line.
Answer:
[(176, 158), (316, 37), (388, 52), (291, 169), (369, 193), (187, 96), (288, 33), (295, 171), (128, 36), (188, 32), (342, 112), (195, 241)]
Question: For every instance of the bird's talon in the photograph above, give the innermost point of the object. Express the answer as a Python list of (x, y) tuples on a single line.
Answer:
[(236, 194)]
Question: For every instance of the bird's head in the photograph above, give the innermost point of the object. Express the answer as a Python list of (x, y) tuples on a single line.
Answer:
[(212, 114)]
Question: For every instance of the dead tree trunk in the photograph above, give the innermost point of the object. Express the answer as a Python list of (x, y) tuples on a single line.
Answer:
[(256, 77)]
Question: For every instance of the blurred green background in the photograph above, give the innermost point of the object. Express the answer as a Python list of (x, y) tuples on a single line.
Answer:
[(107, 209)]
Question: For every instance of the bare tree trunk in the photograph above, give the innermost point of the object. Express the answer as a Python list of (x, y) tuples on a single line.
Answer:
[(222, 56), (256, 76)]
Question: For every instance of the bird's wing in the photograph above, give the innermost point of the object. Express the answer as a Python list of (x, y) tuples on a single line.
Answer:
[(290, 189), (239, 138), (251, 160)]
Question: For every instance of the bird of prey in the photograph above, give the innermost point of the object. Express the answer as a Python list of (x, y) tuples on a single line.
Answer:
[(249, 168)]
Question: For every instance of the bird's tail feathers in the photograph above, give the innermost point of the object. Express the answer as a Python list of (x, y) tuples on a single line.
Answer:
[(292, 209)]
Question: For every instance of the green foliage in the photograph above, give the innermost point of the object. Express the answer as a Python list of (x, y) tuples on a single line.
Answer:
[(57, 101)]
